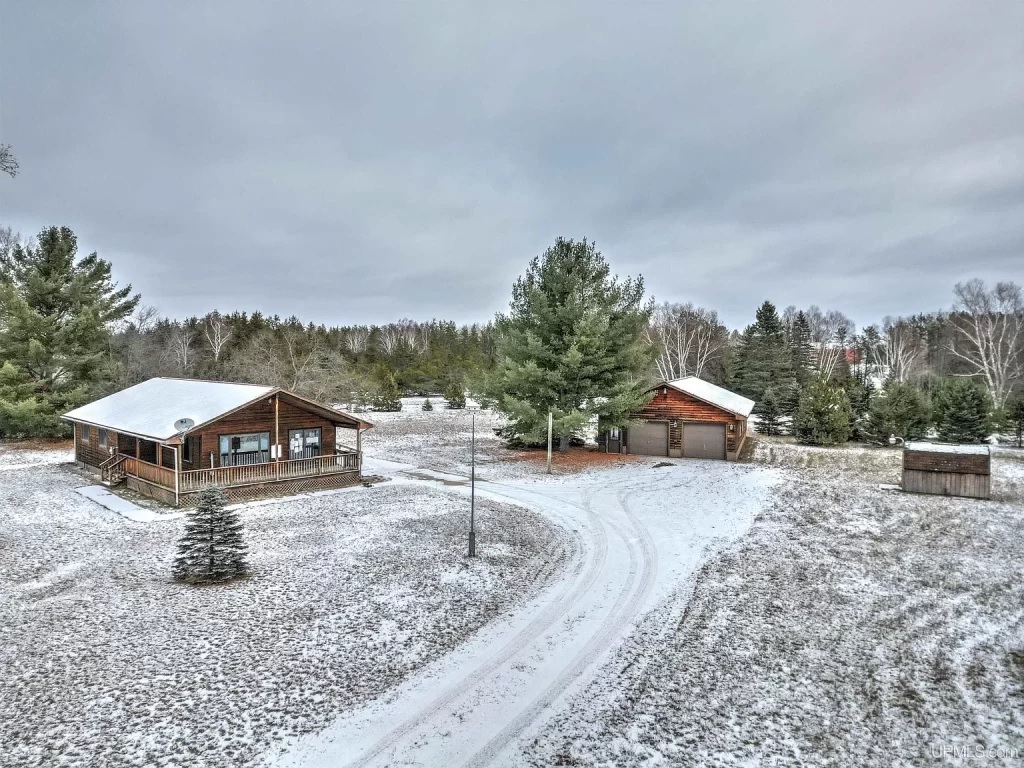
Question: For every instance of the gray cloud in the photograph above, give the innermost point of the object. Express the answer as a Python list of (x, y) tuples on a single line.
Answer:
[(354, 163)]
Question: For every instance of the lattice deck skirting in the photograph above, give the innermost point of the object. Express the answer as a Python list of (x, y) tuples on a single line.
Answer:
[(280, 488)]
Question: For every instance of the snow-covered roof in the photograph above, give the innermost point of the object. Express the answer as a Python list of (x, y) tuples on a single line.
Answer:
[(150, 409), (947, 448), (714, 394)]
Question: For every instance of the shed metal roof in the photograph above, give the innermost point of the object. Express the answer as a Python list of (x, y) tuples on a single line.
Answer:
[(150, 409), (974, 450), (714, 394)]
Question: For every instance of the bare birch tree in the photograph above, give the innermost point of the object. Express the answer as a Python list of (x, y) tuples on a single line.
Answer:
[(900, 349), (217, 332), (989, 336), (687, 338), (179, 348)]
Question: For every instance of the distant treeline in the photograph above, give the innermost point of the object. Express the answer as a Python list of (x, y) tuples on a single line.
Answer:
[(69, 334)]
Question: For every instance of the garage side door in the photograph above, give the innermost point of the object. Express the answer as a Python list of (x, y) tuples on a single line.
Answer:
[(703, 441), (649, 438)]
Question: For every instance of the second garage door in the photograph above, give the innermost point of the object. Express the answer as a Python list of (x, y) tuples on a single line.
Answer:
[(703, 441), (649, 438)]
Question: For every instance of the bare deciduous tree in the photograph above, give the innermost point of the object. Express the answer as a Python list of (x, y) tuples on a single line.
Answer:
[(989, 337), (217, 332), (687, 338), (829, 333), (179, 348), (8, 163), (900, 349)]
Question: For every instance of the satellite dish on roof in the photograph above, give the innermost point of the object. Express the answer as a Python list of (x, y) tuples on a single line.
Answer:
[(183, 425)]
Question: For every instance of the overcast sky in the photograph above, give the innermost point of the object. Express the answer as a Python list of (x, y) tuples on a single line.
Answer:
[(364, 162)]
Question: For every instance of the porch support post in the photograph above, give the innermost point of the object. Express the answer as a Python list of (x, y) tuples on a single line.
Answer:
[(177, 471), (277, 434), (359, 450)]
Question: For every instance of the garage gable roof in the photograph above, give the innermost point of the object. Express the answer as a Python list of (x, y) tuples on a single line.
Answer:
[(713, 394)]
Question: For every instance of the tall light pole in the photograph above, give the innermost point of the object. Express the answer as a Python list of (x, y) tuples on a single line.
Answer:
[(472, 486)]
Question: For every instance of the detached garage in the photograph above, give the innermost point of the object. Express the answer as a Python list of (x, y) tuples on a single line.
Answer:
[(685, 418)]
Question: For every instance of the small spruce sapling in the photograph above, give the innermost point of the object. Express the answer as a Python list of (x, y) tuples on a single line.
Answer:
[(963, 412), (1015, 418), (427, 405), (454, 396), (211, 549), (769, 413), (824, 416)]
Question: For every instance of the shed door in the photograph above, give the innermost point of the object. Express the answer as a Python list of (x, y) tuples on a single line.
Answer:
[(649, 438), (703, 440)]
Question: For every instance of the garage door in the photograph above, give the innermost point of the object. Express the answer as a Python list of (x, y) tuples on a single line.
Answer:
[(704, 441), (649, 438)]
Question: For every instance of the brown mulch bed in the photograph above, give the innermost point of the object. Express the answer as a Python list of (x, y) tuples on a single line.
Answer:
[(575, 460)]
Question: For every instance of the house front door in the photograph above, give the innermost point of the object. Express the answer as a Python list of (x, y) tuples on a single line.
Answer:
[(303, 443)]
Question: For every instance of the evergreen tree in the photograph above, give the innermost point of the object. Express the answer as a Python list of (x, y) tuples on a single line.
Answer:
[(455, 396), (769, 418), (387, 396), (211, 548), (55, 315), (823, 416), (900, 410), (800, 343), (427, 405), (573, 343), (1015, 417), (962, 412), (765, 360)]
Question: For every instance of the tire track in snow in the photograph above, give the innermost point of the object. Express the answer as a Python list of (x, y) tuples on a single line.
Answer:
[(628, 605), (555, 610)]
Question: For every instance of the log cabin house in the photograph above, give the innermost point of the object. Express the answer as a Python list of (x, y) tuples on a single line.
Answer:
[(170, 438), (685, 418)]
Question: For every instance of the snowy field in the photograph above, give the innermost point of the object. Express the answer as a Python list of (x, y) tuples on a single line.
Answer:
[(851, 627), (638, 527), (106, 661), (624, 611)]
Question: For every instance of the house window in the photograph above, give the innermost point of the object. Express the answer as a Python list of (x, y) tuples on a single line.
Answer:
[(252, 448), (303, 443), (613, 433), (85, 433), (103, 438), (190, 447)]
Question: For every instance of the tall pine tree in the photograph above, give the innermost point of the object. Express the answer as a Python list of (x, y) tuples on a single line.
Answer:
[(765, 360), (800, 343), (573, 342), (56, 310), (212, 548)]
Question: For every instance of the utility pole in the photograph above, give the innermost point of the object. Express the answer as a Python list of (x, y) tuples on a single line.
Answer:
[(549, 442), (472, 488)]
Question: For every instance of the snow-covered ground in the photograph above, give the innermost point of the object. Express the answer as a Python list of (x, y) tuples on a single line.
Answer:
[(639, 530), (106, 661), (635, 611), (852, 627)]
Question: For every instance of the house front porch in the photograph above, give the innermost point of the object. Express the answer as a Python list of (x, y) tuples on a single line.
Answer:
[(240, 482)]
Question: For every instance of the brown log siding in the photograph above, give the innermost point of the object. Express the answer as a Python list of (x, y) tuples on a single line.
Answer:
[(91, 452), (936, 461), (259, 417), (677, 408)]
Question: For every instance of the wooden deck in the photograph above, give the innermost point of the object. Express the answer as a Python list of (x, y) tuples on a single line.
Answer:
[(289, 475)]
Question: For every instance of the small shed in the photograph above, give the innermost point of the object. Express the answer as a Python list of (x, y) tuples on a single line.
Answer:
[(947, 470)]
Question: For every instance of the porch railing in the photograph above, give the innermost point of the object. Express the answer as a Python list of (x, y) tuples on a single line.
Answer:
[(152, 473), (249, 474)]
